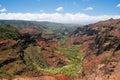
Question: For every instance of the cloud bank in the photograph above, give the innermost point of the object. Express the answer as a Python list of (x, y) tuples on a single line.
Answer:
[(3, 10), (57, 17)]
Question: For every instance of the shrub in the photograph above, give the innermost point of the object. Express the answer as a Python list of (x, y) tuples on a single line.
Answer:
[(8, 32), (72, 68), (2, 72), (33, 58)]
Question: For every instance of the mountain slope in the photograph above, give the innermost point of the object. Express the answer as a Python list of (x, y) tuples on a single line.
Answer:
[(35, 56), (57, 31), (91, 52), (24, 24), (8, 32), (101, 46)]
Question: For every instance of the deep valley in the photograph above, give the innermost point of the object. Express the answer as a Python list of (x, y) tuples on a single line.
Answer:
[(32, 50)]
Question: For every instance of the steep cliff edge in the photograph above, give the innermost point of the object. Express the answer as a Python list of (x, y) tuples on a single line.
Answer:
[(22, 52), (101, 46)]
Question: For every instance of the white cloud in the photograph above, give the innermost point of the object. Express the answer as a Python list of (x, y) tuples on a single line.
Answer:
[(57, 17), (3, 10), (89, 8), (59, 9), (118, 5)]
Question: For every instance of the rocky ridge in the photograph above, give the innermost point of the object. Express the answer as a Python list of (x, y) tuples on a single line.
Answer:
[(101, 46)]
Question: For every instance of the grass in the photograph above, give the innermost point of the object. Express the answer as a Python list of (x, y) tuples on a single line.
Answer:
[(33, 56), (72, 68), (34, 61), (8, 32), (69, 70), (2, 72)]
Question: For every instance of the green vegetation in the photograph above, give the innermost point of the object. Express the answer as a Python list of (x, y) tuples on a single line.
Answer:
[(2, 72), (32, 56), (10, 70), (8, 32), (71, 69), (108, 60), (75, 58), (58, 29), (62, 31)]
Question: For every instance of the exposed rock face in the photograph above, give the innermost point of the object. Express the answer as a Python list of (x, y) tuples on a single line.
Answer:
[(5, 56), (108, 71), (10, 62), (6, 44), (15, 56), (44, 77), (51, 57), (32, 31), (101, 45), (104, 35)]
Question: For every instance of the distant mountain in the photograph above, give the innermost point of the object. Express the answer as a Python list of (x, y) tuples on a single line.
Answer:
[(44, 24), (24, 24), (46, 28), (52, 24)]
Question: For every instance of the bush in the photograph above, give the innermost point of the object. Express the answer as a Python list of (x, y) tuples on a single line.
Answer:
[(2, 72), (72, 68), (35, 61), (33, 58), (8, 32)]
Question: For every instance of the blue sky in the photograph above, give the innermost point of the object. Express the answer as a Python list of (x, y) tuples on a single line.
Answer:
[(65, 11)]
